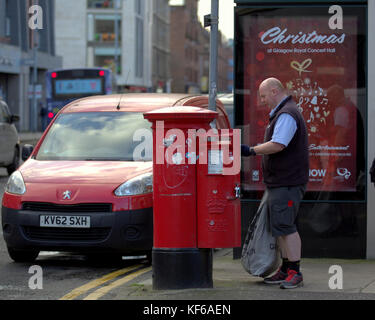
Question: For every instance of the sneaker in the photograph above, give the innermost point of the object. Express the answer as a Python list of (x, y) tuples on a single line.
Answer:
[(277, 278), (294, 280)]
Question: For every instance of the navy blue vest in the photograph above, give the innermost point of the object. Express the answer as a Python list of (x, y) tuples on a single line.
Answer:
[(289, 167)]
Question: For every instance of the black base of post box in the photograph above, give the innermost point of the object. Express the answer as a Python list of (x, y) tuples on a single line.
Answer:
[(181, 268)]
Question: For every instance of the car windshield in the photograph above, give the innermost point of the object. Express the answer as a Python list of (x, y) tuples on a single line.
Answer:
[(98, 136)]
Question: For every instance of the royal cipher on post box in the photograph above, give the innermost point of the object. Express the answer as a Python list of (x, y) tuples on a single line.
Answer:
[(196, 203)]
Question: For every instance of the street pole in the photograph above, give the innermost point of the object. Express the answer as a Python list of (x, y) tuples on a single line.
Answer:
[(214, 34), (34, 112)]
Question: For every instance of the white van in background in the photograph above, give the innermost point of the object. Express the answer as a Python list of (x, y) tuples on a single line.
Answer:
[(9, 140)]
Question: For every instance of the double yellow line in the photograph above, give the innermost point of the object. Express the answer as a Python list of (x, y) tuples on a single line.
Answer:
[(101, 281)]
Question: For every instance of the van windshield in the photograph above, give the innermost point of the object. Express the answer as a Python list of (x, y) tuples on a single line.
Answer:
[(98, 136)]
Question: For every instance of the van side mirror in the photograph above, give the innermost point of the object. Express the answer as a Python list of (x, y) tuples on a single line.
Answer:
[(27, 150)]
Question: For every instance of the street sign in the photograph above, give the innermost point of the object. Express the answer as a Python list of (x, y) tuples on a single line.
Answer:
[(27, 62), (38, 91)]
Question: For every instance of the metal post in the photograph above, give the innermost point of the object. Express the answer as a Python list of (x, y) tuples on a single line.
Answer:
[(213, 53), (33, 107), (34, 111)]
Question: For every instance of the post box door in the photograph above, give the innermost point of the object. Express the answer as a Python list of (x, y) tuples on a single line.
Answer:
[(218, 204), (174, 203)]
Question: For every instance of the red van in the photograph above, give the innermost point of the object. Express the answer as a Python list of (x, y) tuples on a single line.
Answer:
[(81, 188)]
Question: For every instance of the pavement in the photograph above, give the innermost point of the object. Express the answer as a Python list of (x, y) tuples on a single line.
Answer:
[(322, 279)]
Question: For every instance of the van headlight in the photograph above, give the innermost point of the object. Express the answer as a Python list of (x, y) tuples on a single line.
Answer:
[(139, 185), (15, 184)]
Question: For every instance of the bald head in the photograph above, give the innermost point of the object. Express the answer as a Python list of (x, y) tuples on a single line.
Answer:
[(273, 83), (272, 92)]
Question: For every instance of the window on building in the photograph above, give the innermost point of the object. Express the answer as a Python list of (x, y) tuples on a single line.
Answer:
[(102, 38), (102, 28), (107, 59), (7, 27)]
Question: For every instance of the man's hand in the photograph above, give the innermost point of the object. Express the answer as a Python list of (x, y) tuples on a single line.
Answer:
[(246, 151)]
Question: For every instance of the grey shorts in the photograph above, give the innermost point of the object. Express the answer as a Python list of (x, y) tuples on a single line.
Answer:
[(283, 205)]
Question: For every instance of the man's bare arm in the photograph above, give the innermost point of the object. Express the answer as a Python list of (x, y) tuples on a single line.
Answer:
[(268, 148)]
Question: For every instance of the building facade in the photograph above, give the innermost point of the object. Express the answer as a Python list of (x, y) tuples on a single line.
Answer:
[(115, 34), (185, 28), (190, 52), (225, 66), (17, 58), (161, 81)]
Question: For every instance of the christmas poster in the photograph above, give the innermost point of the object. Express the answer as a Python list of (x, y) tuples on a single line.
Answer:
[(311, 60)]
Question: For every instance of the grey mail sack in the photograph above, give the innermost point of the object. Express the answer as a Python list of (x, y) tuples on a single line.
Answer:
[(260, 254)]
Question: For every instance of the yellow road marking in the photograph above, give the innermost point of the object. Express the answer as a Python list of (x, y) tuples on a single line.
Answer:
[(98, 282), (104, 290)]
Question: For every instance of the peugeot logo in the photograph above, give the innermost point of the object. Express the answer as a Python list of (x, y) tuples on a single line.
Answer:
[(67, 195)]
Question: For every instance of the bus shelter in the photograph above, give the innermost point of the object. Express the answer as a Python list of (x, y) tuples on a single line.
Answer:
[(319, 50)]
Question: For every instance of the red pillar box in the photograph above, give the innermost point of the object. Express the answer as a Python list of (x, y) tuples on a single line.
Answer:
[(177, 261)]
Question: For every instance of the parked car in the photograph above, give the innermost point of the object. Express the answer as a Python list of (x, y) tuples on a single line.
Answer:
[(9, 141), (80, 188)]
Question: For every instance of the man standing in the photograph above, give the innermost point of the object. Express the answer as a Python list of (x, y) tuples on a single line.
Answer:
[(286, 172)]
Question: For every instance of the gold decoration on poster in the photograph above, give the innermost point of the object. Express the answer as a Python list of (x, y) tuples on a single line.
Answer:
[(301, 67)]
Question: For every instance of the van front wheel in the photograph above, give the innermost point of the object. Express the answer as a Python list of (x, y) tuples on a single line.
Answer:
[(23, 255)]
